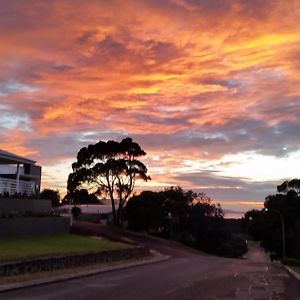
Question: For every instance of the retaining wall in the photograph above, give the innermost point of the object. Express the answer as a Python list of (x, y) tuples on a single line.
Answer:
[(71, 261)]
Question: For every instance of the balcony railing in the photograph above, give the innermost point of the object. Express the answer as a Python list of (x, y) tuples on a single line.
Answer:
[(10, 186)]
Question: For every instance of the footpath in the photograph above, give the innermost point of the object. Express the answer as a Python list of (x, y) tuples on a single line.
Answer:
[(258, 255)]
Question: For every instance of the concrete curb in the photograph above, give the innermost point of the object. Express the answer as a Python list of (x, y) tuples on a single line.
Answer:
[(59, 278), (292, 272)]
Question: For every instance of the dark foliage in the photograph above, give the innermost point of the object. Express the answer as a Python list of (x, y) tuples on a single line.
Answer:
[(281, 210), (76, 211), (187, 217), (253, 223), (233, 247), (145, 212), (52, 195), (110, 169)]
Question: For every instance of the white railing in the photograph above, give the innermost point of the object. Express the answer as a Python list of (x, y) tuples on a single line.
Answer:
[(10, 186)]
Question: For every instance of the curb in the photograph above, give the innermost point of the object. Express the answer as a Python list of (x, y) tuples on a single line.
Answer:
[(59, 278), (292, 272)]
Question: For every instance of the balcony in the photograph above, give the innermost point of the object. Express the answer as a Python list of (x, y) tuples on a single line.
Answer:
[(10, 186)]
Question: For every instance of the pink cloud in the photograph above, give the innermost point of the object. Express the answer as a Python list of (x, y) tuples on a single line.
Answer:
[(199, 78)]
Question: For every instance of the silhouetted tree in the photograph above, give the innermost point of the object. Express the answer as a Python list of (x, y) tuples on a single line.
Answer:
[(253, 223), (110, 168), (266, 225), (209, 233), (52, 195), (292, 185), (144, 212), (163, 212), (185, 216)]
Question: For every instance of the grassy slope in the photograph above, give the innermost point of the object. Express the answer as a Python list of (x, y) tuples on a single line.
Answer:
[(20, 248)]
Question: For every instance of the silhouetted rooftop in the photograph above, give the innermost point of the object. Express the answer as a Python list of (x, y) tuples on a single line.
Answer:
[(7, 158)]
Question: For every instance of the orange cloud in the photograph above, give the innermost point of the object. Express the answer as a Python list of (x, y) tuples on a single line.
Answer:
[(15, 141), (192, 81)]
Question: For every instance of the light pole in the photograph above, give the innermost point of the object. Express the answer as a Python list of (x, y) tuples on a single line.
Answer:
[(282, 228)]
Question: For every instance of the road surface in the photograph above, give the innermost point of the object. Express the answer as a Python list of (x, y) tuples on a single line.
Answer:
[(183, 277)]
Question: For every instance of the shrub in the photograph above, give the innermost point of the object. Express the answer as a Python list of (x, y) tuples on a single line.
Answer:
[(235, 247), (76, 211)]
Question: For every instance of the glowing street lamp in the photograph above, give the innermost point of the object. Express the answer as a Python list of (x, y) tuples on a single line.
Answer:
[(282, 228)]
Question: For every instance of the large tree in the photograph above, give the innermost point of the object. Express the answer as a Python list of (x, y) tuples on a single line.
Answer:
[(110, 168), (185, 216), (281, 213)]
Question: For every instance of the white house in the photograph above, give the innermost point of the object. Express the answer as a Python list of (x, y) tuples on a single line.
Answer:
[(18, 175)]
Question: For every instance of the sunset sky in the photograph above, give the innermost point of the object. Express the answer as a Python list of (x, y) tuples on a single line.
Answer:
[(210, 89)]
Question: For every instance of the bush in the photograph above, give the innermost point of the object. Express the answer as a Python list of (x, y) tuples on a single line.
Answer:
[(52, 195), (76, 211), (235, 247)]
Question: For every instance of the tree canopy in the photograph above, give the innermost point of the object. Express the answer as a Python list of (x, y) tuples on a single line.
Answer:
[(109, 169), (185, 216), (52, 195), (266, 224)]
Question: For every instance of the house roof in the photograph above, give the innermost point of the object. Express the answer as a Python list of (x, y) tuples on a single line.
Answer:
[(7, 158)]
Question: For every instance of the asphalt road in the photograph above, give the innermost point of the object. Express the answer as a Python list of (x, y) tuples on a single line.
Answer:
[(189, 276)]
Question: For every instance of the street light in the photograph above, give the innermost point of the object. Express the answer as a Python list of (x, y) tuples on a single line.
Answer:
[(282, 228)]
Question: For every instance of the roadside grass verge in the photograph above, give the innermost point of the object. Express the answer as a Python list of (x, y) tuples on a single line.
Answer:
[(297, 269), (291, 262), (20, 248)]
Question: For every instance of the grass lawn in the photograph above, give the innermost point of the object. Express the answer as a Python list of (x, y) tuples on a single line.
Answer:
[(21, 248)]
